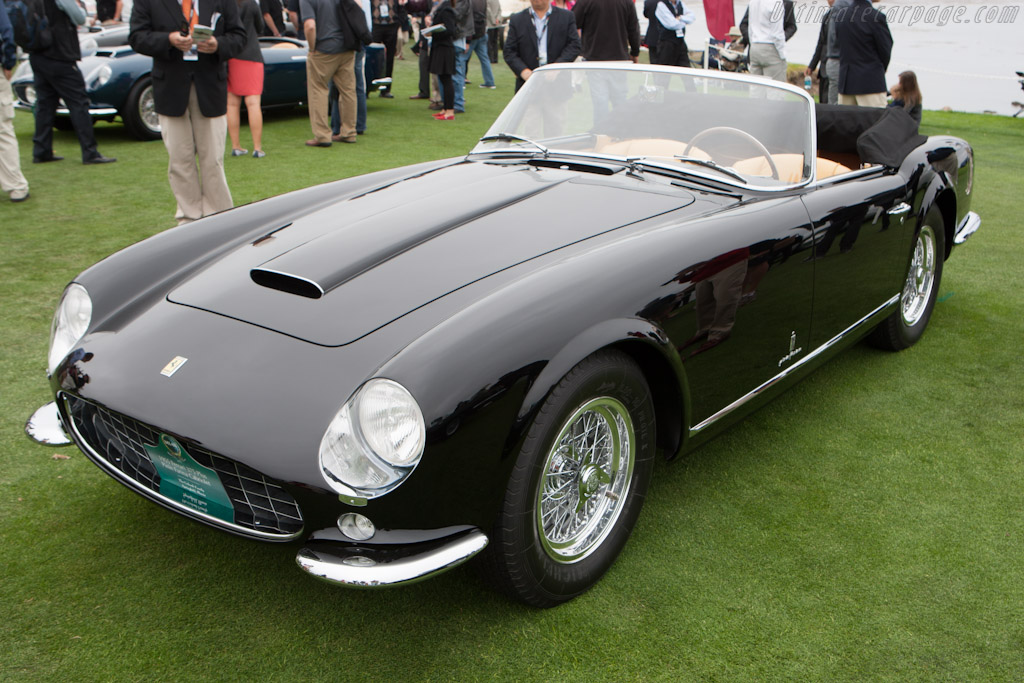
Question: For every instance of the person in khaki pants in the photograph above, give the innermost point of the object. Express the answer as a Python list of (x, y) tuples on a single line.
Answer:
[(330, 59), (190, 93), (11, 179)]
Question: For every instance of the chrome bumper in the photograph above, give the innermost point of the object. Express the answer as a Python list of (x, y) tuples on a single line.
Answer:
[(46, 427), (390, 558), (94, 112), (968, 226)]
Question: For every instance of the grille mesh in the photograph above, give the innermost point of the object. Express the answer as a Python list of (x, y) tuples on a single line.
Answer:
[(259, 503)]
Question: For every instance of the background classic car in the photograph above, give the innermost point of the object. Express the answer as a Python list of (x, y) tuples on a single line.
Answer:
[(118, 82), (412, 375)]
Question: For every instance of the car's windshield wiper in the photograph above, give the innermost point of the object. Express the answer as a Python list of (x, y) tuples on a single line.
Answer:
[(517, 138), (707, 163)]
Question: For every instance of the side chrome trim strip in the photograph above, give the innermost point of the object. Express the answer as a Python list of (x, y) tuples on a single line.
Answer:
[(133, 485), (968, 226), (839, 338)]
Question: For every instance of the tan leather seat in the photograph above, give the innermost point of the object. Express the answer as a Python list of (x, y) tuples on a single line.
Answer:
[(790, 167), (651, 147)]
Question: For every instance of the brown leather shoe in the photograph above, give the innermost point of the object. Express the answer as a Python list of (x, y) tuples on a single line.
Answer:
[(339, 138), (317, 143), (434, 106)]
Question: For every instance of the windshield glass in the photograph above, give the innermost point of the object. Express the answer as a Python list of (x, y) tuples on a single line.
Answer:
[(741, 130)]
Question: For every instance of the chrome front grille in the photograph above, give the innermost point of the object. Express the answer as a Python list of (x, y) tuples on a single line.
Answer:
[(261, 507)]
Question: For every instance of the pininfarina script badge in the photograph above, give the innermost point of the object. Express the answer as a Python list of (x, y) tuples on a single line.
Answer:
[(173, 366)]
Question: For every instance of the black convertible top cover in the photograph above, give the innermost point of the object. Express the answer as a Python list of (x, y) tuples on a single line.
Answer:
[(878, 136)]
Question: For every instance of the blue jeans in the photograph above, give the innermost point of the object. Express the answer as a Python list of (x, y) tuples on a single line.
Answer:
[(479, 47), (605, 89), (360, 98), (459, 79)]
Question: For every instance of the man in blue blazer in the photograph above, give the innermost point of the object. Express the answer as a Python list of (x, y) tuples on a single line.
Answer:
[(865, 46), (540, 35)]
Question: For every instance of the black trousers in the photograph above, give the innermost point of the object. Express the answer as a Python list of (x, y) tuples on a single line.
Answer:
[(447, 91), (424, 85), (387, 34), (494, 36), (57, 80), (671, 52)]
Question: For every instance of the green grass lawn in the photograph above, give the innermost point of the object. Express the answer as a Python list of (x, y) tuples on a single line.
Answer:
[(865, 526)]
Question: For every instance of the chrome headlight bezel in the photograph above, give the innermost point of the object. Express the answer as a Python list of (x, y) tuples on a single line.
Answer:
[(349, 457), (70, 323)]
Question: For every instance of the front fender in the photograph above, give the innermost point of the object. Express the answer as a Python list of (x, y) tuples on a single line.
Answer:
[(658, 359)]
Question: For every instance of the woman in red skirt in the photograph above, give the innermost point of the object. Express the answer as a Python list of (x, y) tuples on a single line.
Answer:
[(245, 81)]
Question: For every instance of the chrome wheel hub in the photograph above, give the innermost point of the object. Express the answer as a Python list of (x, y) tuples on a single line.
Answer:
[(585, 480), (917, 289)]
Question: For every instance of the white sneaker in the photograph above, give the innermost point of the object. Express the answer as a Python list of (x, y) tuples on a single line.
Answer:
[(19, 195)]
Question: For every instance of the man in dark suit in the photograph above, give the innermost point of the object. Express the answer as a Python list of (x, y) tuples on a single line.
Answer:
[(56, 77), (557, 28), (826, 53), (865, 46), (190, 93)]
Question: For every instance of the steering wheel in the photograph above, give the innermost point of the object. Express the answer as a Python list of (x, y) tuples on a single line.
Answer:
[(739, 133)]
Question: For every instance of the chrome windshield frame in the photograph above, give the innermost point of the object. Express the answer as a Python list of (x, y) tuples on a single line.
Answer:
[(751, 185)]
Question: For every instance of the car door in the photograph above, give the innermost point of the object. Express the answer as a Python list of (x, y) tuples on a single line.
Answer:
[(740, 310), (861, 238)]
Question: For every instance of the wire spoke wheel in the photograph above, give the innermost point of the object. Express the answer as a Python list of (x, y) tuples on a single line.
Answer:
[(147, 110), (578, 483), (904, 327), (917, 290), (586, 476)]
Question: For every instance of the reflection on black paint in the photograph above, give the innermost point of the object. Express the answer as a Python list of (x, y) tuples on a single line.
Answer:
[(71, 376)]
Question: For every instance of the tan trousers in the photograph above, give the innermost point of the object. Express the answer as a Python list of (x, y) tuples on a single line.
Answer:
[(200, 189), (321, 69), (11, 178), (875, 99)]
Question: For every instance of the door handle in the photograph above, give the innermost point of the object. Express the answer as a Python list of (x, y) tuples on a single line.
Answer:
[(899, 209)]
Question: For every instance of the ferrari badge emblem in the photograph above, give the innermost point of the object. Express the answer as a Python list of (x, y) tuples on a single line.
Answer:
[(173, 366)]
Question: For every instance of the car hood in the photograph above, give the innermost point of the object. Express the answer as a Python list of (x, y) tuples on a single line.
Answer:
[(336, 274)]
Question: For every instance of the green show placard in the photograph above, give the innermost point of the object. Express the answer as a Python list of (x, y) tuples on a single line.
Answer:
[(185, 481)]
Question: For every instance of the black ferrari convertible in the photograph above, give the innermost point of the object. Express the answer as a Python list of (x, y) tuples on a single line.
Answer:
[(484, 355)]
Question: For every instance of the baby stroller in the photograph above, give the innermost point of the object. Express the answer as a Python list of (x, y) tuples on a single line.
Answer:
[(724, 56)]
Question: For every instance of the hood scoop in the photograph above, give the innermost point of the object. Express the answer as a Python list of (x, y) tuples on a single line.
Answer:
[(320, 265), (286, 282)]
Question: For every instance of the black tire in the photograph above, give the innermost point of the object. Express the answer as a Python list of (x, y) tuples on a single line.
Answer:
[(903, 328), (139, 114), (589, 496)]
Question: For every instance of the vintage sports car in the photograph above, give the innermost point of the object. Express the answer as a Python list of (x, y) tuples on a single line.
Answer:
[(486, 354), (119, 84)]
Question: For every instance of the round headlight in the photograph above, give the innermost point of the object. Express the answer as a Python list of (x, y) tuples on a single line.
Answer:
[(99, 77), (374, 442), (88, 47), (391, 422), (74, 313)]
